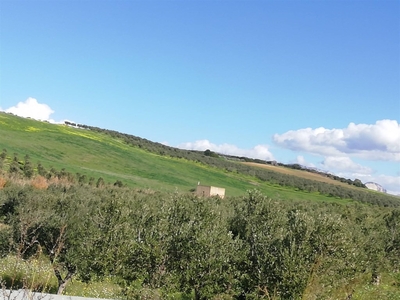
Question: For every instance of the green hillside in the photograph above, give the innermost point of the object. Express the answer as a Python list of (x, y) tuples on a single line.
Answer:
[(99, 155), (110, 155), (152, 239)]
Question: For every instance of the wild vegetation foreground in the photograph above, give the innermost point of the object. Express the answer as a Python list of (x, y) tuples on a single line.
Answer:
[(152, 245)]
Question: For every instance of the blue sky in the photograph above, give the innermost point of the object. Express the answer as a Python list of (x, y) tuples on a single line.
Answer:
[(314, 82)]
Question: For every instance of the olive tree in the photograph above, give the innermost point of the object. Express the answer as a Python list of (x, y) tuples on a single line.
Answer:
[(200, 249)]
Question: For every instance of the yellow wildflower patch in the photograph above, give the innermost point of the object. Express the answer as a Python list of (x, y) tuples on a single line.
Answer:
[(30, 128), (84, 133)]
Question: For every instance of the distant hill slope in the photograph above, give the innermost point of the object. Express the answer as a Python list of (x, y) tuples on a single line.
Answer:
[(301, 173), (141, 163)]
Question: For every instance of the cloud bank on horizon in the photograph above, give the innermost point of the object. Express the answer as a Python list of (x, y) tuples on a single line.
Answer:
[(371, 142), (379, 141), (259, 151)]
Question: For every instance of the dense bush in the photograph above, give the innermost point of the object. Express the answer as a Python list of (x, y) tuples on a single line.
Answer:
[(156, 244), (169, 244)]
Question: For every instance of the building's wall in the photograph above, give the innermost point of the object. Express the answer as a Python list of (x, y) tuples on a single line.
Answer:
[(203, 191), (217, 191), (208, 191)]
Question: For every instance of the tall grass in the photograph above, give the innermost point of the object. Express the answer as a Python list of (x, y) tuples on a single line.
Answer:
[(33, 274), (37, 275)]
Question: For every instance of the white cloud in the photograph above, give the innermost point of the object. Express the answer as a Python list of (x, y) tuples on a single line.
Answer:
[(302, 161), (379, 141), (33, 109), (344, 164), (259, 151)]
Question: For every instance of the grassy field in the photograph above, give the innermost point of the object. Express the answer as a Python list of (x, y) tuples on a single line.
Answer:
[(99, 155)]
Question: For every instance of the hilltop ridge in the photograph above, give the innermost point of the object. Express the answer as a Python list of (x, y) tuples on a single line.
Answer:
[(163, 149)]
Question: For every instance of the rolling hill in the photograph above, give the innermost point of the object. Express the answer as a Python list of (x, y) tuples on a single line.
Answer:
[(143, 164)]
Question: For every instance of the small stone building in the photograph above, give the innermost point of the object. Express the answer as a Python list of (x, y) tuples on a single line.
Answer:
[(209, 191)]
